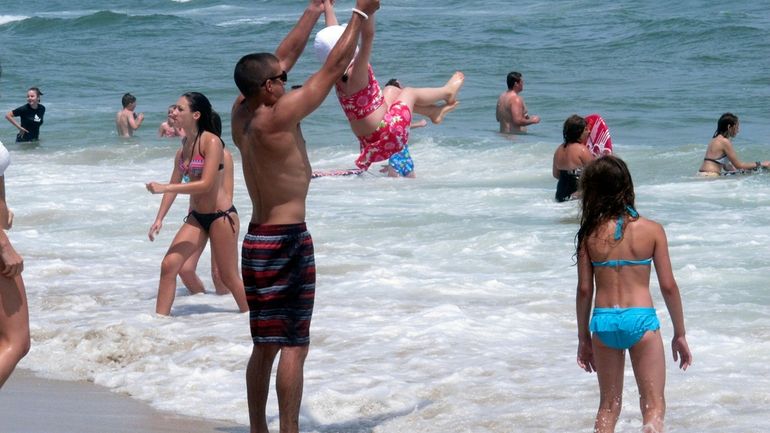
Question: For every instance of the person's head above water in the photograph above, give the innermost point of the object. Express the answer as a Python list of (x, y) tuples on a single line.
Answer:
[(394, 82), (254, 71), (727, 125), (573, 129), (127, 100), (513, 79), (326, 39)]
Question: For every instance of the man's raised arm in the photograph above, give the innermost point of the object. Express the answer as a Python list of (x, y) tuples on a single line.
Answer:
[(294, 43)]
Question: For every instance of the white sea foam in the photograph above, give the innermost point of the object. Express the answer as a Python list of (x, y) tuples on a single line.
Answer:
[(443, 302), (5, 19)]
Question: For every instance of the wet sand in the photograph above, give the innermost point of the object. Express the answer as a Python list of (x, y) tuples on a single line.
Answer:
[(29, 404)]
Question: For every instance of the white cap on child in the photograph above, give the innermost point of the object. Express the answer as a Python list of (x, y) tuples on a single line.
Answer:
[(326, 39)]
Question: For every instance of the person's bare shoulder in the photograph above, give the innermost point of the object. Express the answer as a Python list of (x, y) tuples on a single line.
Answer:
[(514, 98), (649, 227)]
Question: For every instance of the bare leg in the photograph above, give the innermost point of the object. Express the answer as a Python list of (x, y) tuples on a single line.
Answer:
[(219, 286), (216, 276), (435, 113), (188, 239), (14, 325), (649, 362), (289, 383), (258, 384), (609, 370), (424, 96), (224, 249), (188, 275)]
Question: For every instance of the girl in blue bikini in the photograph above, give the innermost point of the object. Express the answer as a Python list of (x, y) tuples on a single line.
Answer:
[(615, 250)]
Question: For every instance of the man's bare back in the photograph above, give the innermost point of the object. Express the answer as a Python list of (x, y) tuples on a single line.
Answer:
[(126, 122)]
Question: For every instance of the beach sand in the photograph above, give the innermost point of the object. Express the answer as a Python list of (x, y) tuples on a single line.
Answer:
[(29, 404)]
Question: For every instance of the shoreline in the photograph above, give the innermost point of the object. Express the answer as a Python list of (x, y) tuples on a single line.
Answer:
[(30, 404)]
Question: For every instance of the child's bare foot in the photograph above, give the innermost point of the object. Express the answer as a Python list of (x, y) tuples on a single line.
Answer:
[(454, 85), (438, 115)]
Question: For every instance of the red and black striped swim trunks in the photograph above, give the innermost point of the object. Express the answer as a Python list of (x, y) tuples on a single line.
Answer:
[(278, 266)]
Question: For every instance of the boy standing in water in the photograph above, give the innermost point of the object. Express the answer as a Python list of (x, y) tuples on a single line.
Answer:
[(278, 261), (127, 121)]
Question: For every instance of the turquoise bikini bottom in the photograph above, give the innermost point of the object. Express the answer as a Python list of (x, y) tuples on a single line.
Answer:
[(621, 328)]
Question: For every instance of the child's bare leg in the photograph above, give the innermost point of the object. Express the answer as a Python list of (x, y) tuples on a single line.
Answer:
[(609, 370), (188, 273), (648, 360), (425, 96), (435, 113), (329, 16)]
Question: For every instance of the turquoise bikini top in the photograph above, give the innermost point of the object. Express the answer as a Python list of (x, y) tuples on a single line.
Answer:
[(618, 234)]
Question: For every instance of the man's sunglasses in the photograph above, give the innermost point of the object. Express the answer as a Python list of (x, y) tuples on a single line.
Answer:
[(284, 77)]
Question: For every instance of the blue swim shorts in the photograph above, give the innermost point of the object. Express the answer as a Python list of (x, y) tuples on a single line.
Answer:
[(402, 162), (621, 328)]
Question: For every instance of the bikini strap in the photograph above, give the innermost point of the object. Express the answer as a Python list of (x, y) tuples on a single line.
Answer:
[(619, 225), (226, 214)]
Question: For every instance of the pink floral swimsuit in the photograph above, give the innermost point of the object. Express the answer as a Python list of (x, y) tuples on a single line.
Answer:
[(392, 133)]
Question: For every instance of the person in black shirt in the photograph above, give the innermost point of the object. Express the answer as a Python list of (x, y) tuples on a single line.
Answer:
[(30, 115)]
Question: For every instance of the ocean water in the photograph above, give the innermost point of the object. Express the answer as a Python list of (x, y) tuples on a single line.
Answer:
[(444, 303)]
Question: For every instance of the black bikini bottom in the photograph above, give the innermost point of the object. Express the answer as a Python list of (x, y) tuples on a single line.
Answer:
[(206, 219)]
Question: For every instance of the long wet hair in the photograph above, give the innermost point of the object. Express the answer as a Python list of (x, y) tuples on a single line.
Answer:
[(200, 103), (607, 190), (573, 129), (724, 123)]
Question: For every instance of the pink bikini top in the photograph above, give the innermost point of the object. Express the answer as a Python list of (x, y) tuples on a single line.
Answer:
[(364, 102), (192, 170)]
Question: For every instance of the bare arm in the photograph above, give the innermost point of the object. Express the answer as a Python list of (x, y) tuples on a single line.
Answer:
[(554, 170), (733, 157), (518, 112), (11, 263), (671, 296), (11, 118), (167, 201), (329, 16), (294, 43), (359, 72), (5, 220), (583, 301), (135, 123)]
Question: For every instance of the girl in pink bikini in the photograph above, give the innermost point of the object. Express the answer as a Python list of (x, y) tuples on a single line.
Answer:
[(380, 120), (199, 171)]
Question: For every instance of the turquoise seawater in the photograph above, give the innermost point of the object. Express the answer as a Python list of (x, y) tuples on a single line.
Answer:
[(445, 303)]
